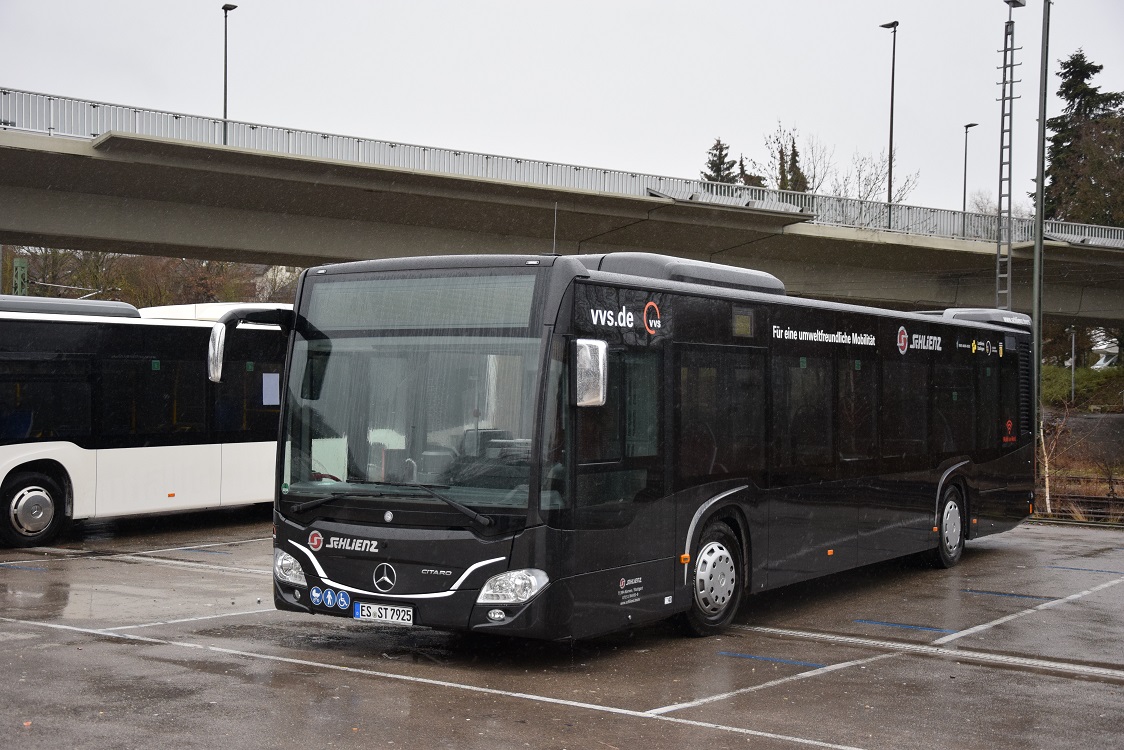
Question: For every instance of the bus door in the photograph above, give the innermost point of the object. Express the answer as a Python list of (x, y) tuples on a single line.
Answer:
[(911, 437), (719, 438), (813, 521), (622, 516)]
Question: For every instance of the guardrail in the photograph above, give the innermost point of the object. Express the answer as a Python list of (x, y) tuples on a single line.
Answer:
[(1084, 509), (76, 118)]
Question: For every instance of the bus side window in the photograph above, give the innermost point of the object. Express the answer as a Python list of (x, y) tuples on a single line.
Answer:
[(954, 409), (599, 427), (858, 417), (905, 408), (987, 379), (802, 415), (619, 443), (719, 413)]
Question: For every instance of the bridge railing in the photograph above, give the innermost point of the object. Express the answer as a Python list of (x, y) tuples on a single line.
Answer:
[(76, 118)]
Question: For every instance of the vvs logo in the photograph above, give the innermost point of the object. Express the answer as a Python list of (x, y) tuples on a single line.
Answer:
[(651, 317), (624, 318)]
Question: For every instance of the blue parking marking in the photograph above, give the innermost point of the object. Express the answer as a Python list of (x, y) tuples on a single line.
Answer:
[(1087, 570), (1016, 596), (768, 658), (905, 626), (11, 566)]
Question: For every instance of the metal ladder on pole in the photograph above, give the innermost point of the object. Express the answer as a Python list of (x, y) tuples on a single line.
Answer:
[(1004, 238)]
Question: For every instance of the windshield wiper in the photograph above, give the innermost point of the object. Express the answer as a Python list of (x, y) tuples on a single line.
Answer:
[(429, 489), (318, 501), (480, 518)]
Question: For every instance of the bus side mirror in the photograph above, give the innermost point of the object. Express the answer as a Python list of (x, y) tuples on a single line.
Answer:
[(592, 376), (259, 314), (215, 352)]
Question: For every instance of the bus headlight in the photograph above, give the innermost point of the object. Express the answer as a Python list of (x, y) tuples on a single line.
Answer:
[(513, 587), (287, 569)]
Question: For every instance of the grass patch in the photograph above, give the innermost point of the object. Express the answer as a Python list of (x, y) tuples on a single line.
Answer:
[(1095, 390)]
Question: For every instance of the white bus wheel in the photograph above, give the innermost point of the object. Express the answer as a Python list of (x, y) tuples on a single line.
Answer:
[(718, 581), (950, 529), (33, 510)]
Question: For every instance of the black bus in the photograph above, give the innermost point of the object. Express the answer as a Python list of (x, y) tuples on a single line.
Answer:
[(106, 411), (563, 446)]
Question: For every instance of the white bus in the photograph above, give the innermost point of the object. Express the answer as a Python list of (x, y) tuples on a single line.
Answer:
[(106, 410)]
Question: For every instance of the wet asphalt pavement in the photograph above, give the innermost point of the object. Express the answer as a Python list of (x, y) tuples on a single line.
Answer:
[(162, 633)]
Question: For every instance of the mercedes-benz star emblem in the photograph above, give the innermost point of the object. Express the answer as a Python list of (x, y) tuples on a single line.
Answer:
[(385, 577)]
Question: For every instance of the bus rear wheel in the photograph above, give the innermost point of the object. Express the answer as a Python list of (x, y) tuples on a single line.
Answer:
[(717, 581), (950, 529), (33, 510)]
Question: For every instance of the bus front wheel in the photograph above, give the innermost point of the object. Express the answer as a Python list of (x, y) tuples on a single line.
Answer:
[(950, 529), (33, 511), (718, 581)]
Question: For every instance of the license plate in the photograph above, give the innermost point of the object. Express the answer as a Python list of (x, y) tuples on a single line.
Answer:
[(393, 614)]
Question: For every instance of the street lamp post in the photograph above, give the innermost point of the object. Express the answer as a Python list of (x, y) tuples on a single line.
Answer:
[(893, 27), (225, 12), (964, 202)]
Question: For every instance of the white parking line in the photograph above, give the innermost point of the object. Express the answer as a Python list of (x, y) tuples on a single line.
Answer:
[(982, 657), (188, 619), (61, 552), (643, 715), (200, 546), (774, 683), (191, 565), (1025, 612)]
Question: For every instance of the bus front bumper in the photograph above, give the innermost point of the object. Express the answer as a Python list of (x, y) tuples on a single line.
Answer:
[(546, 616)]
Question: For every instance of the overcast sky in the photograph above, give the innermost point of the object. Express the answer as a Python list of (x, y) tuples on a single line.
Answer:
[(623, 84)]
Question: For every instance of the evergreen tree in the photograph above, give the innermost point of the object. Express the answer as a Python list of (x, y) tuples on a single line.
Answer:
[(784, 161), (1085, 176), (745, 177), (782, 166), (797, 180), (719, 167)]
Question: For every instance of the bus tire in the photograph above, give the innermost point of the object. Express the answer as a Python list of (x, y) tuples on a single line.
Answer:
[(34, 510), (717, 581), (950, 529)]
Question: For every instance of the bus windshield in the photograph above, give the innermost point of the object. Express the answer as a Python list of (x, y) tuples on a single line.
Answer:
[(433, 386)]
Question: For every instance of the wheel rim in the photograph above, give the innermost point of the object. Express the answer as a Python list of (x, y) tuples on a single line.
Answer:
[(32, 510), (950, 527), (715, 578)]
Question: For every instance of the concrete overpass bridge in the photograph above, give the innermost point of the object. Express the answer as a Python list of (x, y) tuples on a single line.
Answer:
[(94, 176)]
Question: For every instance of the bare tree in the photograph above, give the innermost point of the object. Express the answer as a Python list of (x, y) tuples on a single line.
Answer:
[(817, 161), (865, 179), (982, 202)]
